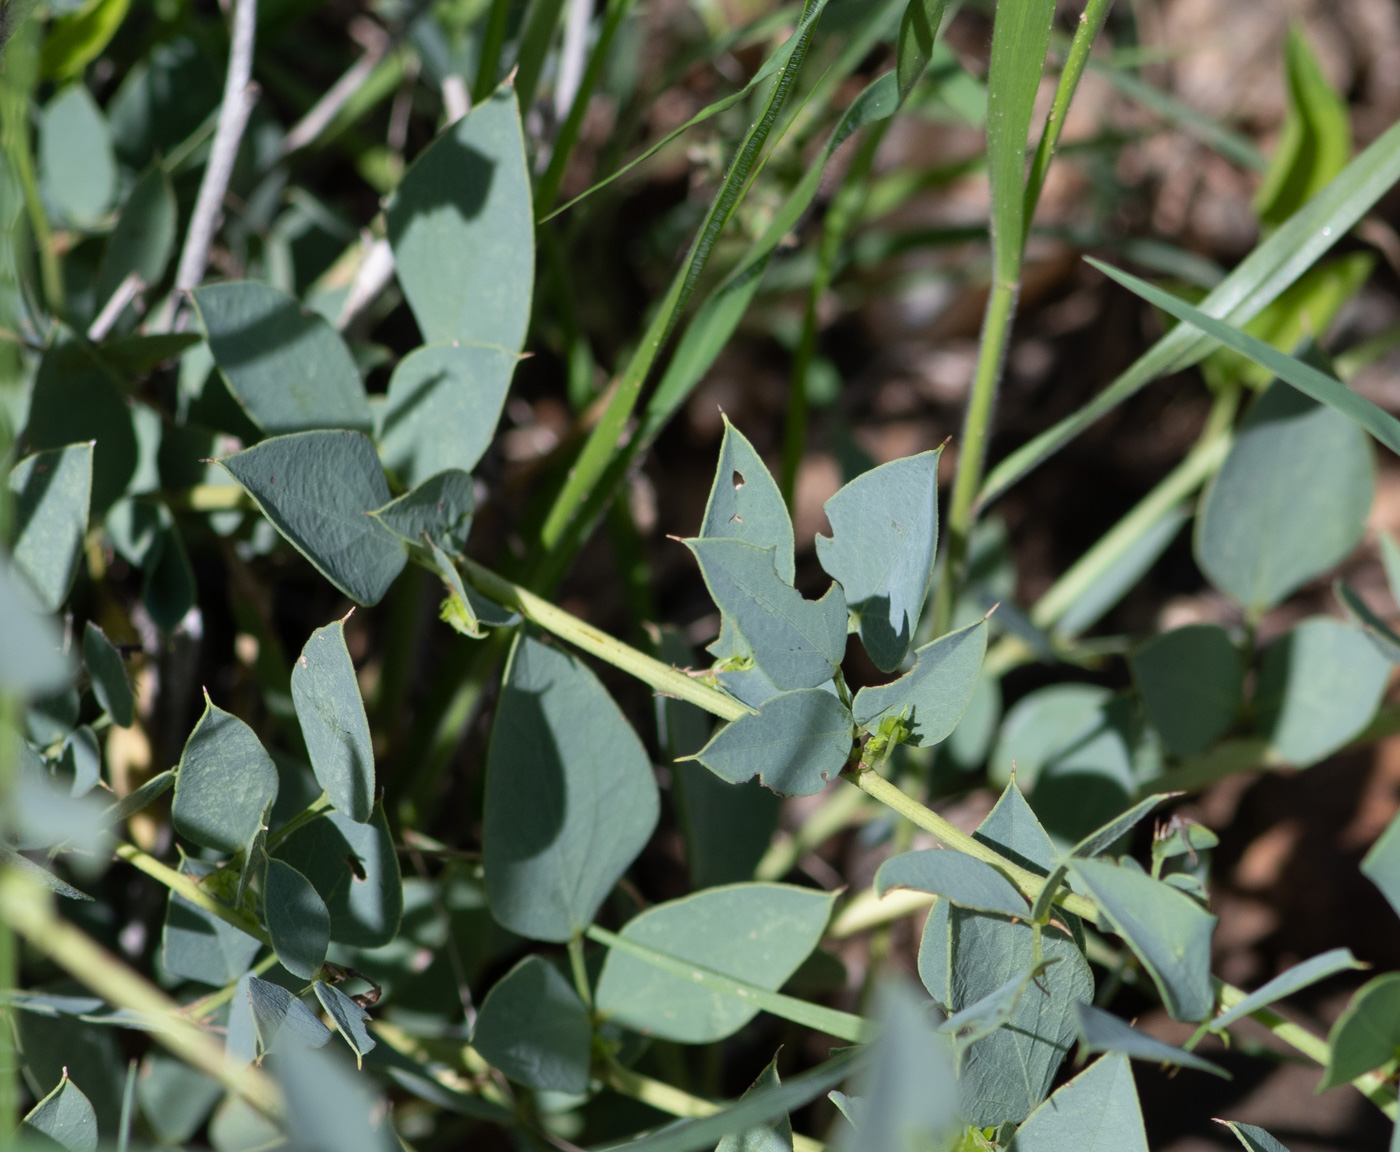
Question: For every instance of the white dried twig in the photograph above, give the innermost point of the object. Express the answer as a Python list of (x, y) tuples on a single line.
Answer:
[(125, 293), (375, 272), (377, 43), (456, 100), (573, 56)]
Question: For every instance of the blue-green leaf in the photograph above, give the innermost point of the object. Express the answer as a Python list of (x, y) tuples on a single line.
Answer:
[(884, 536), (31, 658), (1097, 1111), (347, 1016), (796, 745), (224, 782), (462, 229), (570, 795), (933, 695), (1104, 838), (534, 1028), (1287, 983), (1166, 929), (175, 1098), (329, 1108), (966, 881), (1191, 681), (745, 503), (142, 242), (65, 1117), (77, 170), (1254, 1138), (198, 945), (443, 404), (775, 1136), (296, 918), (282, 1020), (1367, 1034), (1376, 630), (1318, 687), (333, 722), (1104, 1032), (799, 643), (1381, 864), (289, 369), (317, 488), (52, 491), (757, 933), (108, 673), (441, 506)]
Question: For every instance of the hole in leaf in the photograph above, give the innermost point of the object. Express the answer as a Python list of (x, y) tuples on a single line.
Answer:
[(739, 480), (357, 868)]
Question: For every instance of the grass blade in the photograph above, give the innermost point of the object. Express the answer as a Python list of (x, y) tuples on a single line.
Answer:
[(1307, 379), (540, 22), (1255, 283)]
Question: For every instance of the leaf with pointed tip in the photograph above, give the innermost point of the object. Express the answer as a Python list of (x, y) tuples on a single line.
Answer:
[(1191, 681), (142, 240), (1104, 1032), (739, 673), (1287, 983), (745, 503), (442, 407), (296, 918), (289, 369), (917, 32), (52, 491), (1167, 930), (317, 488), (1317, 689), (796, 745), (775, 1136), (441, 506), (466, 609), (41, 875), (1097, 1111), (347, 1016), (224, 782), (1102, 839), (884, 536), (82, 756), (1013, 830), (108, 675), (1377, 631), (983, 1017), (533, 1027), (966, 881), (1381, 865), (65, 1117), (799, 643), (933, 695), (1367, 1034), (570, 795), (758, 933), (333, 722), (462, 229), (1254, 1139), (282, 1020)]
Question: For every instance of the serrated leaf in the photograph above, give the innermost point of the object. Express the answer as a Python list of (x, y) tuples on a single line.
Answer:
[(1167, 930), (1104, 1032), (224, 782), (64, 1116), (534, 1028), (884, 536), (1254, 1139), (1367, 1034), (108, 673), (355, 869), (462, 229), (1191, 681), (296, 919), (443, 404), (757, 933), (52, 491), (570, 795), (796, 744), (1287, 983), (317, 488), (966, 881), (347, 1016), (441, 507), (77, 170), (1097, 1111), (1318, 687), (933, 695), (799, 643), (141, 242), (1289, 502), (198, 945), (326, 695), (281, 1019), (745, 503)]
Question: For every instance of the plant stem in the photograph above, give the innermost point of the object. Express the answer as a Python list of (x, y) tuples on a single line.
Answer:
[(492, 41), (206, 1006), (9, 953), (314, 811), (188, 887), (28, 909), (844, 806), (580, 971), (972, 452), (20, 76)]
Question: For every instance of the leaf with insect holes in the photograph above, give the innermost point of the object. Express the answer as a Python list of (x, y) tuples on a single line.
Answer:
[(333, 722), (799, 643), (745, 503), (796, 745), (884, 536)]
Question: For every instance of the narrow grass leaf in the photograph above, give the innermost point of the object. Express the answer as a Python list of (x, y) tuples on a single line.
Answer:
[(39, 874), (51, 492), (296, 919), (1097, 1111), (1104, 1032), (745, 503), (796, 745), (108, 675), (1367, 1034), (884, 536), (533, 1027), (966, 881), (1285, 984), (224, 782), (1191, 681), (918, 29), (326, 695), (932, 696)]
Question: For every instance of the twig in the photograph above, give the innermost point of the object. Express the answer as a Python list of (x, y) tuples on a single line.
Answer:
[(573, 56), (240, 93), (323, 112), (125, 293), (375, 272)]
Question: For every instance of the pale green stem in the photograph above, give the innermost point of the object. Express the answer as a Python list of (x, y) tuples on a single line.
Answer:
[(16, 131), (28, 909), (580, 971), (205, 1007), (844, 806), (492, 41), (189, 888), (318, 808), (9, 953)]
